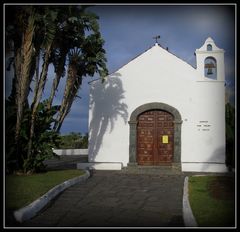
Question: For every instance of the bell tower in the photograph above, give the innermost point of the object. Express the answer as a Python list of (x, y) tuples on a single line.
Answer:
[(210, 61)]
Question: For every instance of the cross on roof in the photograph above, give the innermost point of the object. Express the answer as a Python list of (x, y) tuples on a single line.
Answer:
[(156, 38)]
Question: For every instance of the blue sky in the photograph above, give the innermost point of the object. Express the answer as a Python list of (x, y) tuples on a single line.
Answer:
[(128, 31)]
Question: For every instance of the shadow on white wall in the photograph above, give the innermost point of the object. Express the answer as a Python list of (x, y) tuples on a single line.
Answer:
[(106, 103), (217, 158)]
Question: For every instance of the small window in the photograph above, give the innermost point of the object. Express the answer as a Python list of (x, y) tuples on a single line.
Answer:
[(210, 68), (209, 47)]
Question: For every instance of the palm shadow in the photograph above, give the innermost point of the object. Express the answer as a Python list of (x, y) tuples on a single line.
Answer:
[(107, 105)]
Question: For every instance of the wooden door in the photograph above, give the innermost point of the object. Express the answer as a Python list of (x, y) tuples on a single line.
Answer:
[(155, 137)]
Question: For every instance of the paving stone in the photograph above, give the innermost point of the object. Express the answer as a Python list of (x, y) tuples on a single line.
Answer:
[(117, 199)]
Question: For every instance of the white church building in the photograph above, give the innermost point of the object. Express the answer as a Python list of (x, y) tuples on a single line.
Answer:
[(159, 110)]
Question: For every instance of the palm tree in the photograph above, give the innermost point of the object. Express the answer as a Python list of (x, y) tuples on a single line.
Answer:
[(69, 33), (30, 29), (49, 19), (59, 64), (73, 82), (21, 27), (24, 61), (84, 61), (58, 34)]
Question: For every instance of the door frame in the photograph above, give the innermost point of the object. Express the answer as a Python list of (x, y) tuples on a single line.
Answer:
[(133, 130)]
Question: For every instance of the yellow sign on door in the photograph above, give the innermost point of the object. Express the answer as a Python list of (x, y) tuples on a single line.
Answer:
[(165, 139)]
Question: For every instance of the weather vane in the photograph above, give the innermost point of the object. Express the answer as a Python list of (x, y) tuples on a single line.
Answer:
[(156, 38)]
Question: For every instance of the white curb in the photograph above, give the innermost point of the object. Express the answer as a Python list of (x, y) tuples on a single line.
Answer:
[(32, 209), (188, 216)]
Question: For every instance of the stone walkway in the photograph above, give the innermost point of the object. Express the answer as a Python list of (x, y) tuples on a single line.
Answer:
[(117, 199)]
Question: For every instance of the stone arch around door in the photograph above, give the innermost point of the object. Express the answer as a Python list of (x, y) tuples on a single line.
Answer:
[(133, 130)]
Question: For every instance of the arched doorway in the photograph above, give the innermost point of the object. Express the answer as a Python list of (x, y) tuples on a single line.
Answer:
[(139, 116), (155, 138)]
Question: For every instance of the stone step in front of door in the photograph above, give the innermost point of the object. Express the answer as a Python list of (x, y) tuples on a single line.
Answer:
[(163, 170)]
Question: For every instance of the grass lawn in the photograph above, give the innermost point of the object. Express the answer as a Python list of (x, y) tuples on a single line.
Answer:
[(212, 200), (21, 190)]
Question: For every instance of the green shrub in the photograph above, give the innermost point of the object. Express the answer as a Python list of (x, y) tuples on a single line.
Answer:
[(43, 140), (230, 136), (74, 141)]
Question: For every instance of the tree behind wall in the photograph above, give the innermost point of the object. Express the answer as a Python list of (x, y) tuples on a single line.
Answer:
[(230, 136), (74, 141)]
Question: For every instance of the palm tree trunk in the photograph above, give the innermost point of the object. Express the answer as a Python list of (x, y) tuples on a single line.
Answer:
[(72, 85), (37, 97), (23, 61), (36, 75), (53, 90), (57, 78)]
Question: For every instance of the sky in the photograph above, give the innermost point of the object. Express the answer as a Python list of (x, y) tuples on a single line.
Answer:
[(128, 31)]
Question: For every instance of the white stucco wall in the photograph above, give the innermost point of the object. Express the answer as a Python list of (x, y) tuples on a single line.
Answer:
[(158, 76)]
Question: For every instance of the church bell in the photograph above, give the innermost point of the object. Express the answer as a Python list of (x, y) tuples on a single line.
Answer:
[(209, 72), (209, 67)]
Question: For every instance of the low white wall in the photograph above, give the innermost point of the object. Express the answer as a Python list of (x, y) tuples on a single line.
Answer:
[(71, 151), (32, 209), (204, 167)]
